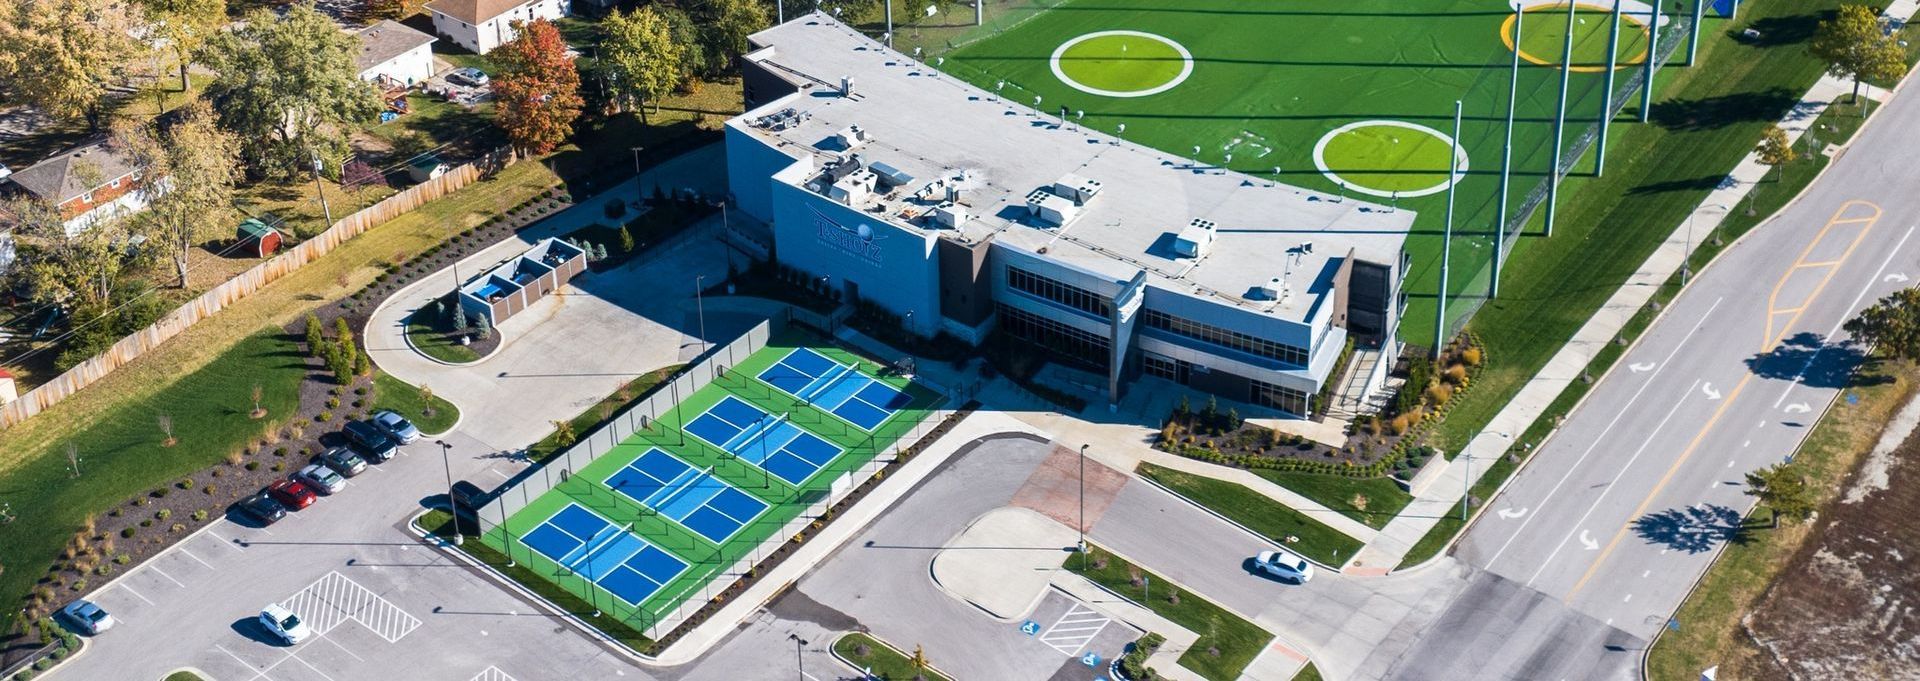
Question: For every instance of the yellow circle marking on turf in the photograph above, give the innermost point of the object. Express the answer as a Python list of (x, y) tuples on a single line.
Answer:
[(1506, 36)]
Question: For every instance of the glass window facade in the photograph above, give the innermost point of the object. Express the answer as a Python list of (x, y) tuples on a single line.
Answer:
[(1053, 290), (1233, 340), (1088, 348), (1284, 399)]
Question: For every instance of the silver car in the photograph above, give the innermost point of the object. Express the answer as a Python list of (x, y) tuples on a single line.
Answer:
[(1285, 565), (321, 478), (396, 426)]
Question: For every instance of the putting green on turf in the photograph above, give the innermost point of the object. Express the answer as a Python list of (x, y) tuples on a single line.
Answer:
[(1383, 158), (1121, 63), (1543, 38)]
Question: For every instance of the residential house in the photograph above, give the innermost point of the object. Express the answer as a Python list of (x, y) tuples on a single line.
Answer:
[(89, 183), (395, 55), (481, 25)]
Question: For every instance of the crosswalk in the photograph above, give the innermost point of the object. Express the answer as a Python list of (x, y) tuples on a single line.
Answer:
[(335, 599)]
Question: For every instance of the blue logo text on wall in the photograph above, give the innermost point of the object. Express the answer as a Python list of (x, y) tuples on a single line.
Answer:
[(859, 242)]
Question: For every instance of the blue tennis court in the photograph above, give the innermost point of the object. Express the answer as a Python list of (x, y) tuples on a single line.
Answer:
[(620, 562), (835, 387), (694, 498), (773, 444)]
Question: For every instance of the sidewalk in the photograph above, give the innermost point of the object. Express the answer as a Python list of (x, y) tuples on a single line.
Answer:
[(1441, 498)]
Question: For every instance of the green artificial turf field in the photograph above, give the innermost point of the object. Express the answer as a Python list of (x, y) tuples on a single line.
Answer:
[(1267, 84), (588, 487)]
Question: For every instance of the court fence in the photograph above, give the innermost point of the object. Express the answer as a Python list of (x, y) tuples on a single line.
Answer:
[(726, 567)]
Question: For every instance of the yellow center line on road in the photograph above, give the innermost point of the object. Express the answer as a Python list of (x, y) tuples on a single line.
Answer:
[(1771, 339)]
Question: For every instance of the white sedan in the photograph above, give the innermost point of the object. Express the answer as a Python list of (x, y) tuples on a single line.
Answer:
[(284, 624), (1285, 565)]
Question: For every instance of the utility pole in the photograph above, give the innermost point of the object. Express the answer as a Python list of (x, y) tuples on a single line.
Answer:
[(1606, 93), (317, 188), (1446, 241), (1506, 159), (1560, 124)]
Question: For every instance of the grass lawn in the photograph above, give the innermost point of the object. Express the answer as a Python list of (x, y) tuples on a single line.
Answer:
[(1237, 640), (1373, 501), (1308, 673), (427, 335), (882, 661), (1265, 516), (441, 121), (1710, 619), (121, 451), (184, 675), (397, 395)]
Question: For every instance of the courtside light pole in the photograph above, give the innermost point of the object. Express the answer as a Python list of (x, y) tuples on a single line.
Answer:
[(1653, 55), (1606, 93), (1082, 523), (1560, 124), (1506, 159), (1693, 44), (1446, 241)]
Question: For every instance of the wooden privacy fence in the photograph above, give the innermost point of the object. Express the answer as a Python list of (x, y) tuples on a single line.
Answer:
[(219, 297)]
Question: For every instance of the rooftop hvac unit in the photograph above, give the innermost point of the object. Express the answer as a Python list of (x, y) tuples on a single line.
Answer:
[(1272, 289), (846, 86), (1046, 206), (852, 137), (1075, 188), (1196, 241), (950, 215)]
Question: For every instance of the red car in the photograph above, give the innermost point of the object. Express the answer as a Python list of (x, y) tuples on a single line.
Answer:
[(293, 494)]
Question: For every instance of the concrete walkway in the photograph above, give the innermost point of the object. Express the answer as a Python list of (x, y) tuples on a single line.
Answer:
[(1441, 498)]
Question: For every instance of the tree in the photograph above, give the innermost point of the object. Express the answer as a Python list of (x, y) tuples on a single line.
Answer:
[(360, 174), (1893, 324), (1855, 46), (641, 57), (257, 412), (386, 9), (1784, 490), (288, 86), (189, 176), (537, 87), (696, 59), (185, 25), (165, 421), (626, 240), (77, 270), (726, 24), (563, 434), (64, 56), (426, 399), (1774, 149)]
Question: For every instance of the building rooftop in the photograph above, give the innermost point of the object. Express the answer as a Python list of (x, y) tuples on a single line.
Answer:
[(925, 140), (71, 173), (383, 41), (474, 12)]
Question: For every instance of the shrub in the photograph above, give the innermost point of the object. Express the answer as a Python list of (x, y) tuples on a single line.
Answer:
[(324, 416), (159, 493), (201, 514), (1439, 393), (178, 527), (122, 559), (185, 483), (127, 533), (1456, 374), (278, 466), (78, 585), (1471, 356), (163, 514), (208, 490), (253, 465)]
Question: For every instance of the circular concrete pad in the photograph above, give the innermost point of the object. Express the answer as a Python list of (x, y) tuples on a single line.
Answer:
[(1004, 560)]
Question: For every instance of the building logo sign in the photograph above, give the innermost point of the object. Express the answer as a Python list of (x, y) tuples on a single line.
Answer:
[(859, 242)]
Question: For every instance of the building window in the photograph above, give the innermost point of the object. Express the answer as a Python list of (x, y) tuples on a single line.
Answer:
[(1284, 399), (1073, 343), (1164, 367), (1051, 289), (1232, 340), (87, 197), (115, 184)]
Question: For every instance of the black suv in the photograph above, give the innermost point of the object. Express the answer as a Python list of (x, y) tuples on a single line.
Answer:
[(370, 441)]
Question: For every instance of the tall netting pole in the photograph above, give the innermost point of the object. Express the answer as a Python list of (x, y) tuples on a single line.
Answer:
[(1693, 43), (1446, 241), (1560, 124), (1653, 56), (1506, 160), (1606, 94)]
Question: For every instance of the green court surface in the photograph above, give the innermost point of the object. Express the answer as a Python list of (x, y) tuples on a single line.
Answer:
[(1388, 158), (1270, 81), (771, 500)]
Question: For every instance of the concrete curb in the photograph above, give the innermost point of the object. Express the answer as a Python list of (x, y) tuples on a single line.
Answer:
[(932, 577), (1256, 535), (850, 665)]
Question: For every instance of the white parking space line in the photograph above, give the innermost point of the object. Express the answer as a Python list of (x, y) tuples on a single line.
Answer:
[(493, 674), (1077, 627), (136, 594), (229, 543), (343, 649), (183, 549), (236, 658), (334, 599), (163, 573), (304, 663)]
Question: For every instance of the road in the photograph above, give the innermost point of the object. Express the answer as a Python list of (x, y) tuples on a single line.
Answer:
[(1621, 511)]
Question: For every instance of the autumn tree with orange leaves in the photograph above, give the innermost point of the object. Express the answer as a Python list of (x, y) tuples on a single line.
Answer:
[(537, 87)]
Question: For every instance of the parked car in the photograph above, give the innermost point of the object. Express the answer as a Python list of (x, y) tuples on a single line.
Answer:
[(468, 497), (368, 439), (396, 426), (88, 617), (263, 508), (281, 622), (1285, 565), (293, 494), (468, 76), (320, 478), (343, 461)]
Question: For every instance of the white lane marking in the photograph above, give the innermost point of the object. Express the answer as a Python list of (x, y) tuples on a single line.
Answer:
[(1798, 408), (1628, 599), (1730, 463), (183, 549), (304, 663), (1815, 355), (169, 577), (1511, 513), (1586, 540), (1747, 443), (1643, 575), (1711, 394), (1896, 277), (1641, 367), (1611, 484), (1603, 432), (136, 594), (492, 673)]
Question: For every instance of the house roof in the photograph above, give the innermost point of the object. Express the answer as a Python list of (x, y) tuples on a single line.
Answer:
[(58, 179), (475, 11), (383, 41)]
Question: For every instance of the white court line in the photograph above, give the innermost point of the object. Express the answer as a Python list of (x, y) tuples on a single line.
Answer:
[(136, 594), (183, 549), (163, 573), (1602, 437)]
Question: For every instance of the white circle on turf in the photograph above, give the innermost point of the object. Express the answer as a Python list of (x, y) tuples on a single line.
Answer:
[(1320, 158), (1186, 65)]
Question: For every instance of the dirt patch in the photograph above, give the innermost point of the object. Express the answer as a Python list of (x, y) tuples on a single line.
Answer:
[(1054, 488), (1849, 606)]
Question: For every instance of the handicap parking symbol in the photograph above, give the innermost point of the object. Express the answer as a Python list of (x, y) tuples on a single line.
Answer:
[(1090, 659), (1030, 628)]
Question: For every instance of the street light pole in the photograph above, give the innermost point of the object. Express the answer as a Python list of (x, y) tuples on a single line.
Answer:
[(799, 662), (1466, 479), (700, 305), (1082, 524), (453, 503), (1686, 256)]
